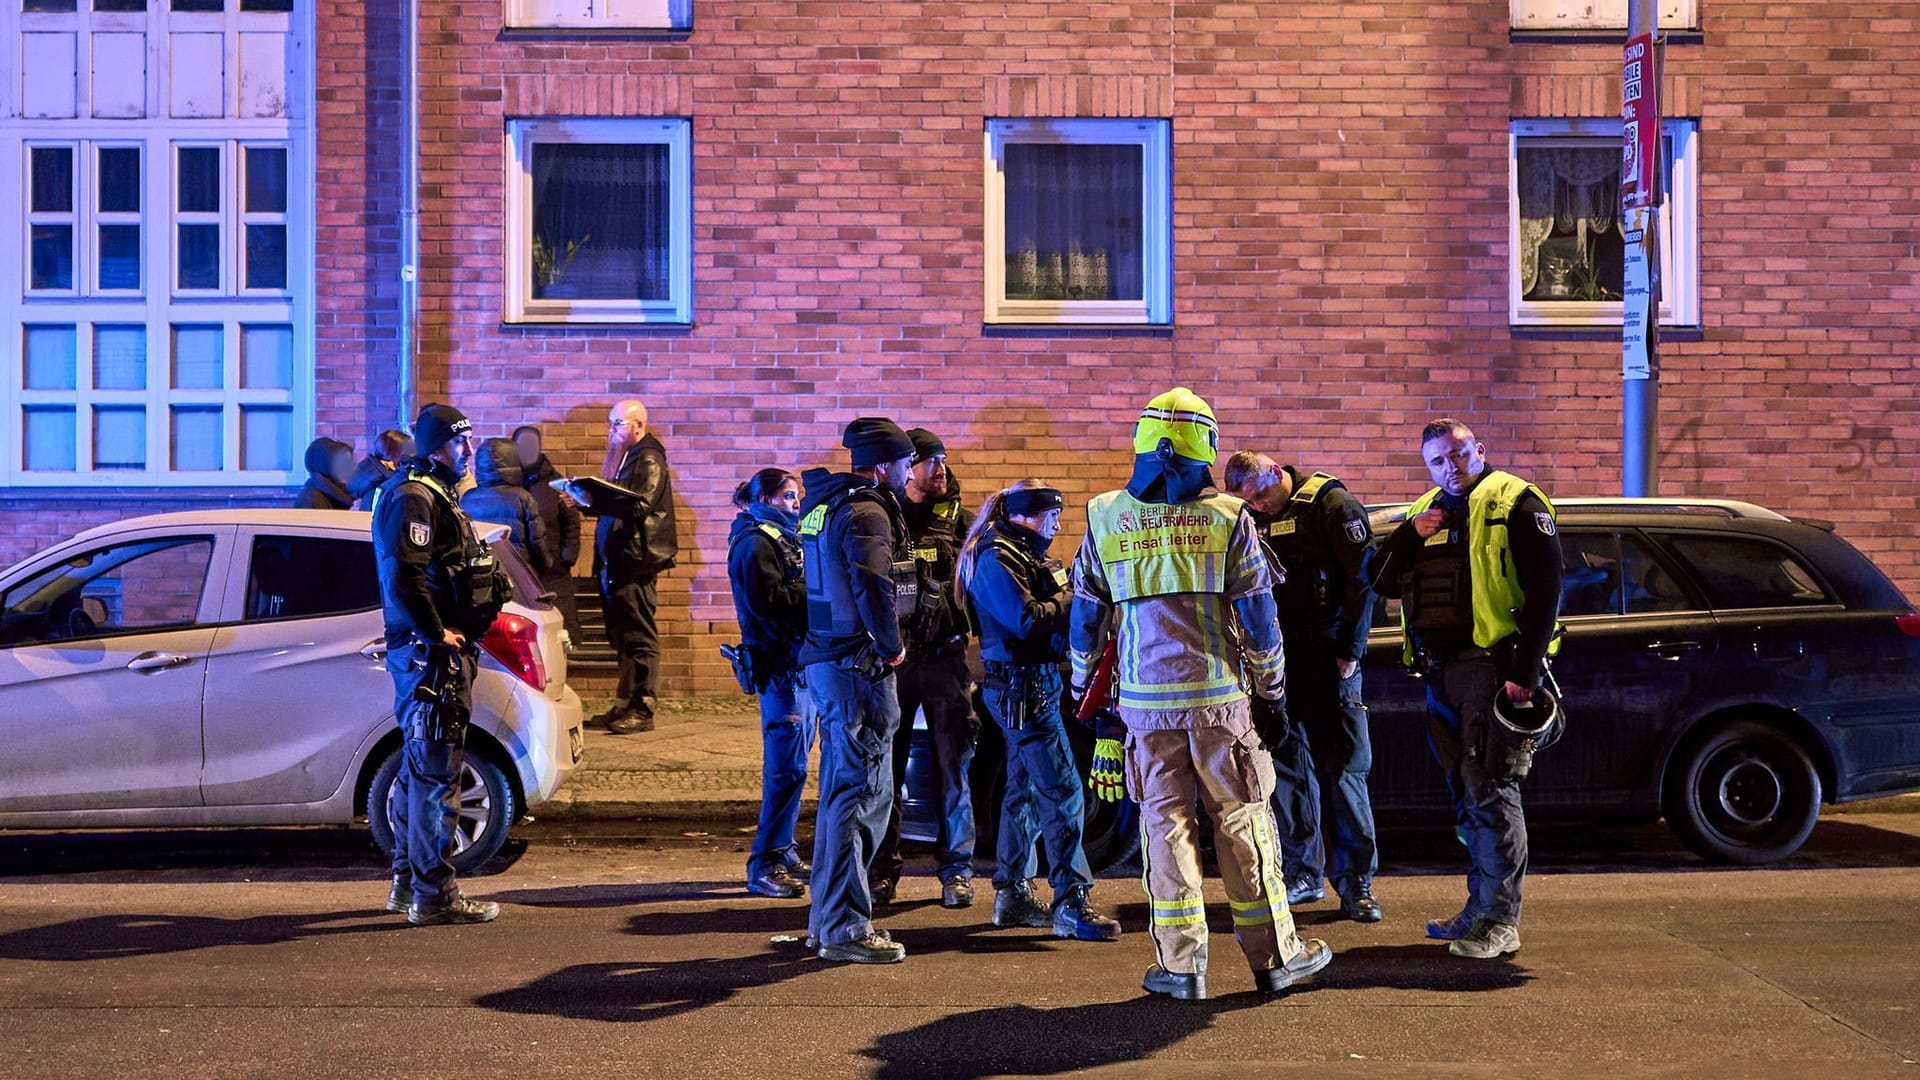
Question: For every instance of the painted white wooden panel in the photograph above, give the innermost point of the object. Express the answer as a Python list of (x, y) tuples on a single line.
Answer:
[(1596, 14), (198, 71), (50, 71), (550, 12), (264, 59), (638, 12), (120, 76)]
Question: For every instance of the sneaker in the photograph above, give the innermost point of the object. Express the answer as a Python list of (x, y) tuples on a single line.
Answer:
[(1452, 929), (1310, 959), (776, 883), (630, 722), (1015, 906), (956, 893), (400, 897), (875, 948), (1488, 940), (1179, 987), (1305, 889), (883, 890), (1357, 902), (800, 870), (451, 910), (1074, 918)]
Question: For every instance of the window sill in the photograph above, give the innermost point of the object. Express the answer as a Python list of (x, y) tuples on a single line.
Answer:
[(626, 325), (188, 498), (1539, 332), (575, 33), (1021, 329), (1607, 36)]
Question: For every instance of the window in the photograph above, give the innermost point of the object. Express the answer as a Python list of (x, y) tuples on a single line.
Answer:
[(155, 319), (128, 588), (303, 577), (1578, 15), (1079, 222), (599, 221), (1590, 578), (600, 14), (1746, 573), (1567, 251), (1651, 587)]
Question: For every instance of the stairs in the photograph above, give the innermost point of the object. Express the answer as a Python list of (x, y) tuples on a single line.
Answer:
[(591, 655)]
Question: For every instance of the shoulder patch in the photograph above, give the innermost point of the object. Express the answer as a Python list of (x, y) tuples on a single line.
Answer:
[(1356, 531), (1545, 521), (418, 533)]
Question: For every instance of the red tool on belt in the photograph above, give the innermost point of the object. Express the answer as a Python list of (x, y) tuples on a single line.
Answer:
[(1099, 693)]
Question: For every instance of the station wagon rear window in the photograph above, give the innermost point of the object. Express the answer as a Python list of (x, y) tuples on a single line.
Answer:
[(1741, 572)]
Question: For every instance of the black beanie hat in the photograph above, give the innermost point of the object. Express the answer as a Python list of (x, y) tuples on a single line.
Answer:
[(925, 444), (436, 425), (876, 440)]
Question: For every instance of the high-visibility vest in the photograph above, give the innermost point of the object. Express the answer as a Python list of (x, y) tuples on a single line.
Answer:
[(1497, 595), (1157, 549)]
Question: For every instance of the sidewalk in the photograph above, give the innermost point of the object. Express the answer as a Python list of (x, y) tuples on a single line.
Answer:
[(701, 762)]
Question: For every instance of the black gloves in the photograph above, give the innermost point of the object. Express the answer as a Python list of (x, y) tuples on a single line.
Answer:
[(1270, 723)]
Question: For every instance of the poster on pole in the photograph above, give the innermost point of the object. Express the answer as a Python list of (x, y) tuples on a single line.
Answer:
[(1640, 124), (1637, 311)]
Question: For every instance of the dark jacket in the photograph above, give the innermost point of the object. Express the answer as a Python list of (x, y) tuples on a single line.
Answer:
[(851, 547), (1018, 598), (498, 498), (368, 477), (1321, 544), (937, 528), (322, 491), (560, 516), (419, 537), (766, 568), (636, 536)]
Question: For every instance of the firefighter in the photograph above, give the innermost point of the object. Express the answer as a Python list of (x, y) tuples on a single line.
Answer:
[(1179, 568)]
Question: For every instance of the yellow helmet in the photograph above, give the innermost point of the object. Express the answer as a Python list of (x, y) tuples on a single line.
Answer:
[(1181, 417)]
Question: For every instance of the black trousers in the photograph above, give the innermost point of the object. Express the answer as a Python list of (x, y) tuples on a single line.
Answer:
[(940, 687), (1486, 807), (1320, 801), (629, 604)]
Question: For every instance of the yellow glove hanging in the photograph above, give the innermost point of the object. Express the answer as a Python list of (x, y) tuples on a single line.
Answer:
[(1107, 778)]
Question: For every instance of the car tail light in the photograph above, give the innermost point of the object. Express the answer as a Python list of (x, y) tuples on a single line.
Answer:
[(1909, 624), (514, 640)]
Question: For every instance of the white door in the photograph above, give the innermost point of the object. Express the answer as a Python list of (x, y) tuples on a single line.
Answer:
[(103, 657), (296, 681)]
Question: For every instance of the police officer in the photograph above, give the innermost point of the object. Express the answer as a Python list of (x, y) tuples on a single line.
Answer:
[(439, 590), (1318, 535), (1018, 599), (860, 580), (1477, 568), (1186, 564), (935, 677)]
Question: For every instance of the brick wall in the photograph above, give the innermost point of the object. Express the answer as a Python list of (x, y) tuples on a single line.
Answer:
[(1340, 202)]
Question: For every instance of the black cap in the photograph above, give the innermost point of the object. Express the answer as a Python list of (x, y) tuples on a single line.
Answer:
[(436, 426), (925, 444), (876, 440)]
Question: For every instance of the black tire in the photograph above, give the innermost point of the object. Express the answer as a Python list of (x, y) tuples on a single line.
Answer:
[(487, 810), (1743, 792), (1110, 832)]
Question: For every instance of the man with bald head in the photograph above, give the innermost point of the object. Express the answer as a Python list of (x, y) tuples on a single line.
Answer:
[(634, 542)]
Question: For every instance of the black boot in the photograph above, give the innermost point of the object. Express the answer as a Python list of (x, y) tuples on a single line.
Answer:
[(400, 897), (1074, 918), (1315, 956), (452, 909), (1179, 987), (1015, 906)]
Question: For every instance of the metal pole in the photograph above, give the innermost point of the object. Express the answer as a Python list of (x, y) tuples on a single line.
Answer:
[(1640, 367), (409, 329)]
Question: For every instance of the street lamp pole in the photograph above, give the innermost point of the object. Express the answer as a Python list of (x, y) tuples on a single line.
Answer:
[(1642, 173)]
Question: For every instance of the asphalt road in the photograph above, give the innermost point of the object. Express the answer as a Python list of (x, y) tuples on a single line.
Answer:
[(266, 954)]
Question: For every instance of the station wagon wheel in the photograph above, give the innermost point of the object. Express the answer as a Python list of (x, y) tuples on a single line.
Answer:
[(480, 826), (1745, 792)]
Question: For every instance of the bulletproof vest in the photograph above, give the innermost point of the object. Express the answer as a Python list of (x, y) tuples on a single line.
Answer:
[(1440, 600), (1313, 575), (938, 542), (792, 554), (480, 585), (1045, 579), (829, 599)]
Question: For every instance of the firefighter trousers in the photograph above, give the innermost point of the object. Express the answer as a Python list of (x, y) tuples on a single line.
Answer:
[(1224, 769)]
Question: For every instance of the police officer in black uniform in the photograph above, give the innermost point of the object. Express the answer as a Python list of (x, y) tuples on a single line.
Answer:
[(1318, 533), (935, 677), (1018, 599), (440, 589)]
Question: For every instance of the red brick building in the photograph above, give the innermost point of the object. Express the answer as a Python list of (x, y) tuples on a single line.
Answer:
[(1009, 222)]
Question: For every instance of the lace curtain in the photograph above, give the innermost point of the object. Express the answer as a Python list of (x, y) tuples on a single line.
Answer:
[(1571, 190), (600, 228), (1073, 222)]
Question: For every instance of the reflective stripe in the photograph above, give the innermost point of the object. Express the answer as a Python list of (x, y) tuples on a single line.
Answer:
[(1157, 549), (1497, 595), (1192, 912), (1253, 913)]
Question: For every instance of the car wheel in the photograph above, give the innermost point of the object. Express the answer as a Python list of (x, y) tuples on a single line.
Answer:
[(1110, 832), (1745, 792), (486, 810)]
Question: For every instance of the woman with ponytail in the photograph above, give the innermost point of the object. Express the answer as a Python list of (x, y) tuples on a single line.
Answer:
[(770, 598), (1018, 598)]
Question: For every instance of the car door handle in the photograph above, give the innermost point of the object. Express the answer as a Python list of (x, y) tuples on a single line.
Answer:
[(375, 650), (157, 661), (1672, 650)]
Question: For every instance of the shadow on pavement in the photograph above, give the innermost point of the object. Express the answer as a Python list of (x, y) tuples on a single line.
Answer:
[(612, 896), (110, 937), (215, 856), (638, 992), (1418, 967)]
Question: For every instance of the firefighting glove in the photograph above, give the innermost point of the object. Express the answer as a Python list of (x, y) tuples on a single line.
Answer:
[(1270, 723), (1106, 779)]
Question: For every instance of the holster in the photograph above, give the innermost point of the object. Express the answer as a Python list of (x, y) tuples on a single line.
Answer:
[(741, 660), (437, 713)]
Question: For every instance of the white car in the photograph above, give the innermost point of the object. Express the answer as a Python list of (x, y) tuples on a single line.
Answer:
[(226, 668)]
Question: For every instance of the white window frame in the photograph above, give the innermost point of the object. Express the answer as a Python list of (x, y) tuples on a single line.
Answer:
[(1679, 225), (594, 15), (157, 305), (1155, 306), (676, 133), (1581, 16)]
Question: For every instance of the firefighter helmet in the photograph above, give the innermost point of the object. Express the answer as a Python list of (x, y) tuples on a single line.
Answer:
[(1183, 419)]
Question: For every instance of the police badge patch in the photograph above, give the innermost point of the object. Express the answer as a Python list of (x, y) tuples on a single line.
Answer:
[(1545, 521), (418, 534), (1357, 531)]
